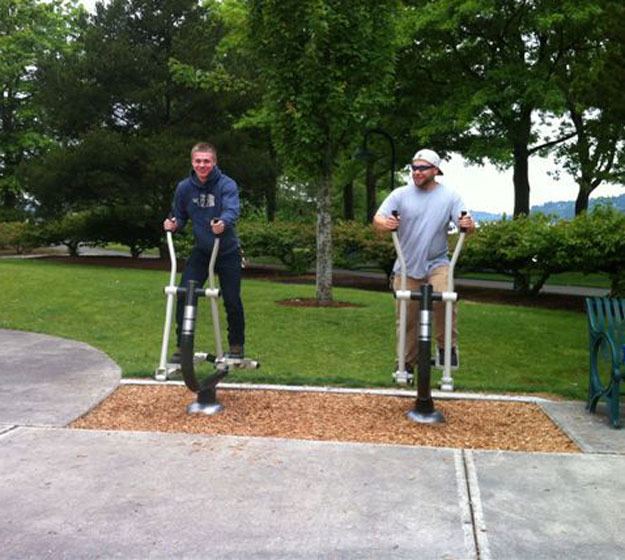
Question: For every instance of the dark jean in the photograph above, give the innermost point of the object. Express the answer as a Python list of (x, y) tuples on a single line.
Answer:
[(228, 269)]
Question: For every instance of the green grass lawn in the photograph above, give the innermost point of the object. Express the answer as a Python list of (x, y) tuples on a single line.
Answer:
[(120, 311)]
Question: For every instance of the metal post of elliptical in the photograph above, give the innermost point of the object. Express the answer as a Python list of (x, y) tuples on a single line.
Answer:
[(212, 294), (401, 376), (164, 370), (447, 381)]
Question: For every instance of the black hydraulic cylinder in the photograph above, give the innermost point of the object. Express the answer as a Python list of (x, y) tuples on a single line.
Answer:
[(424, 388), (187, 336), (424, 411), (190, 311)]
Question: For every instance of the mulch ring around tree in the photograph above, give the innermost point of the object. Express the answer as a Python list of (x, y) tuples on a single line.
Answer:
[(312, 302)]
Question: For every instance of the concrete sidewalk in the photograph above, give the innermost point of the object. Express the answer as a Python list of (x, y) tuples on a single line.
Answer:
[(93, 494)]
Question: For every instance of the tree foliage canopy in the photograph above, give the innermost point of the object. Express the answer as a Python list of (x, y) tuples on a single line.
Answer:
[(29, 31)]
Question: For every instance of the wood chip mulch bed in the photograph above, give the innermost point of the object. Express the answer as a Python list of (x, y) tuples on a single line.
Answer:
[(470, 424)]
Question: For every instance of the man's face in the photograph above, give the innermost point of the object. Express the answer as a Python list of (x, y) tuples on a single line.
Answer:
[(423, 172), (203, 163)]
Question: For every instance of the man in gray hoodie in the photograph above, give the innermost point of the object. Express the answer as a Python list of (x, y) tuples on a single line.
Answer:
[(210, 199)]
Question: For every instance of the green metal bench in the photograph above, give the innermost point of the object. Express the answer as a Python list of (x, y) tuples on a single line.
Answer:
[(606, 329)]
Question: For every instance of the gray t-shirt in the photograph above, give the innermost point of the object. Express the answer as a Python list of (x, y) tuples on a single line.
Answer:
[(425, 218)]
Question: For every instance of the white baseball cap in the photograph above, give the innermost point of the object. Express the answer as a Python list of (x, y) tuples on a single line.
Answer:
[(431, 157)]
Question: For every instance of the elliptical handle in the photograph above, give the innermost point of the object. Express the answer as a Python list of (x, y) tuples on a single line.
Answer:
[(395, 214), (463, 213)]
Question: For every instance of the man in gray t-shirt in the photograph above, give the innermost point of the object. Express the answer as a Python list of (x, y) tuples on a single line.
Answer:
[(425, 208)]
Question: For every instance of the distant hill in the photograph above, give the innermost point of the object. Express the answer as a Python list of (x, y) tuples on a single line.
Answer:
[(566, 209), (485, 216), (563, 209)]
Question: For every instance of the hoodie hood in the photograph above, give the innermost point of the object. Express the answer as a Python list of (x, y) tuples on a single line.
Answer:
[(211, 180)]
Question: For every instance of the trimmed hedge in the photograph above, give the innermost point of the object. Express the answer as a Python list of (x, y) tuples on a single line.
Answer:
[(528, 249), (294, 244)]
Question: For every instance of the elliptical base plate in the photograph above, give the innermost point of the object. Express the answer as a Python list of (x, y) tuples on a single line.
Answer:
[(434, 417), (204, 408)]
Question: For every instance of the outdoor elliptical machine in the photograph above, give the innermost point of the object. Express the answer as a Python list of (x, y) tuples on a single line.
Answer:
[(424, 411), (402, 376), (206, 388)]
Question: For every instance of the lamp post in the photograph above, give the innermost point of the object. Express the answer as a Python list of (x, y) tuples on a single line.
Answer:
[(370, 178)]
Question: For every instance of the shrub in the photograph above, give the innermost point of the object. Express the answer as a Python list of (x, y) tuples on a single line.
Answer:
[(293, 244), (70, 230), (133, 226), (357, 244), (596, 242), (20, 237), (529, 249)]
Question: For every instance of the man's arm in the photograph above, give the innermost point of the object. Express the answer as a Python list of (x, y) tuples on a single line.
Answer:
[(466, 223), (230, 205), (385, 223), (387, 218)]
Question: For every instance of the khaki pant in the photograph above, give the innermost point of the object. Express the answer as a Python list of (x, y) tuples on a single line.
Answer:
[(438, 278)]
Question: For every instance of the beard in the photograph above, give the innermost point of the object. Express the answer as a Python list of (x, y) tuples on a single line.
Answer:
[(424, 184)]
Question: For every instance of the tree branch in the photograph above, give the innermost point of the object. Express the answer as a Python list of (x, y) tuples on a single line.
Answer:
[(551, 143)]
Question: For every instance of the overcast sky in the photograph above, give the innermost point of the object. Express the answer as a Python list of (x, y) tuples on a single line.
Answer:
[(487, 189)]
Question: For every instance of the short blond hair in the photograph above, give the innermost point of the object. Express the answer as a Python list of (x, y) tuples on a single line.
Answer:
[(204, 147)]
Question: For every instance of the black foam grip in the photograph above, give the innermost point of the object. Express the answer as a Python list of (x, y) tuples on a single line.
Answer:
[(395, 214), (462, 215)]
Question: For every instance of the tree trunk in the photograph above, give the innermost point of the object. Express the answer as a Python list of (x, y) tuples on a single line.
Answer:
[(370, 190), (348, 201), (271, 192), (521, 181), (617, 288), (8, 200), (72, 248), (581, 202), (271, 202), (521, 132), (324, 236)]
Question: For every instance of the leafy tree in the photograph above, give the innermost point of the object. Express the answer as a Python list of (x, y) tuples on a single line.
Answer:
[(597, 152), (29, 31), (120, 76), (128, 84), (234, 77), (107, 169), (327, 65), (493, 63)]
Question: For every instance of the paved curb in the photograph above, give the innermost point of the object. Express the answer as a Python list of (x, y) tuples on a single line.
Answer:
[(408, 393)]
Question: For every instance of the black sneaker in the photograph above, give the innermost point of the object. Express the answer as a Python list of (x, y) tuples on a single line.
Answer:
[(236, 352), (454, 357)]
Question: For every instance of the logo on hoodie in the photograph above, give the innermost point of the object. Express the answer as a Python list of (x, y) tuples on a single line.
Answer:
[(205, 200)]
